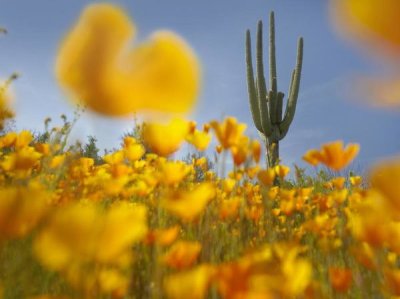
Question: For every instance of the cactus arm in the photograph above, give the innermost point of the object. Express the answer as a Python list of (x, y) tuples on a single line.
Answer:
[(273, 96), (272, 55), (297, 73), (292, 82), (265, 117), (279, 107), (292, 100), (251, 86), (261, 86), (272, 106)]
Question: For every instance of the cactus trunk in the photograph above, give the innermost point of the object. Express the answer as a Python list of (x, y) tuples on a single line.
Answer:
[(272, 153), (267, 105)]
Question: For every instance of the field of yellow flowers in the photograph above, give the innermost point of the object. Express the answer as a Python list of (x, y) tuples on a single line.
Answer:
[(137, 223)]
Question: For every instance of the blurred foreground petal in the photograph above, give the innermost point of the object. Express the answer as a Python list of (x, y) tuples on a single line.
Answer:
[(385, 178), (373, 21), (190, 284), (96, 67), (165, 139)]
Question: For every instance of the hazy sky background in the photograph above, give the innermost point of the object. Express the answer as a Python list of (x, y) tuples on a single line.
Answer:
[(216, 30)]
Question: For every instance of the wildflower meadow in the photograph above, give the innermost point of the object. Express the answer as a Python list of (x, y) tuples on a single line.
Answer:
[(231, 221)]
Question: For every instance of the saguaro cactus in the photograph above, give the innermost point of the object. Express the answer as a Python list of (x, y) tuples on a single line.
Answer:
[(266, 105)]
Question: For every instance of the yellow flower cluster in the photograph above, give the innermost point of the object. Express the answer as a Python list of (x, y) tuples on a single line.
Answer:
[(137, 222)]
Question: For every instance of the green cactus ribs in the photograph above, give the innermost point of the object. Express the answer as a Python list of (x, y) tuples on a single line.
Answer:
[(266, 105)]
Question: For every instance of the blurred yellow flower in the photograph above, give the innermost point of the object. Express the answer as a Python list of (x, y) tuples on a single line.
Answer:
[(6, 112), (365, 255), (182, 254), (24, 138), (113, 281), (189, 204), (74, 234), (355, 180), (132, 149), (163, 237), (189, 284), (199, 139), (392, 281), (173, 172), (95, 66), (228, 132), (385, 177), (8, 139), (367, 223), (340, 278), (312, 157), (270, 272), (375, 24), (337, 183), (372, 21), (281, 170), (165, 139), (228, 184), (256, 150), (333, 155), (267, 176), (273, 192), (21, 209), (90, 246), (229, 208), (240, 150)]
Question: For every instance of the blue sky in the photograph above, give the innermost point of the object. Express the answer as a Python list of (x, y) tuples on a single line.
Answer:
[(326, 109)]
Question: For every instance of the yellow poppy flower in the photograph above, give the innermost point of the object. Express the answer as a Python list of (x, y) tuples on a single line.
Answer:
[(355, 180), (228, 132), (199, 139), (240, 150), (228, 184), (8, 139), (229, 208), (132, 149), (312, 157), (174, 172), (165, 139), (21, 209), (281, 170), (267, 176), (189, 204), (256, 150), (5, 100), (385, 178), (189, 284), (74, 234), (333, 155), (337, 183), (163, 237), (24, 138), (96, 67), (341, 279), (392, 281), (182, 254), (22, 161)]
